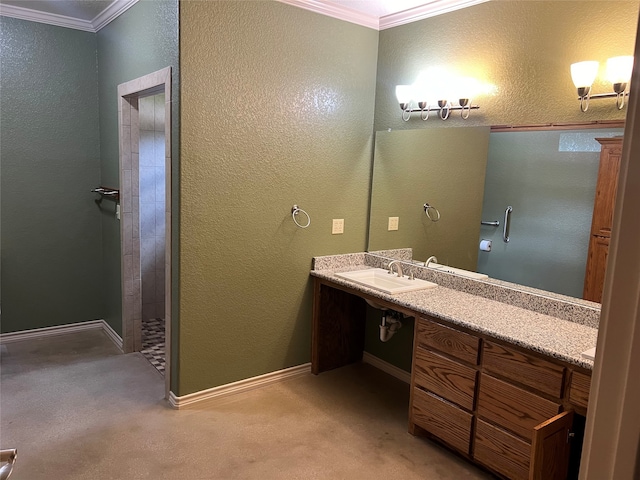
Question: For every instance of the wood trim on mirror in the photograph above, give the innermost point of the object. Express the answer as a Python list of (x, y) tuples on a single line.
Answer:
[(559, 126)]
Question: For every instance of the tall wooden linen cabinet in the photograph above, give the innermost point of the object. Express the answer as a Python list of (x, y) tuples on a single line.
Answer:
[(602, 221)]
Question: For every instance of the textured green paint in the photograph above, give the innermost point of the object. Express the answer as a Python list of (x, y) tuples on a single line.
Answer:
[(524, 48), (444, 167), (551, 191), (51, 245), (141, 41), (277, 109)]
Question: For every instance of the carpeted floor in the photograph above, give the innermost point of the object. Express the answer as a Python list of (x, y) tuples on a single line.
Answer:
[(76, 408)]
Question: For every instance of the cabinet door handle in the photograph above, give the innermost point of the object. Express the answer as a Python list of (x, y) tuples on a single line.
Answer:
[(507, 224)]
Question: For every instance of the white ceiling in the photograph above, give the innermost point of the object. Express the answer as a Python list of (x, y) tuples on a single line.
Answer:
[(91, 15)]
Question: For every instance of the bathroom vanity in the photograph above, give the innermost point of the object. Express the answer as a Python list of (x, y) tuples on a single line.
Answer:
[(497, 383)]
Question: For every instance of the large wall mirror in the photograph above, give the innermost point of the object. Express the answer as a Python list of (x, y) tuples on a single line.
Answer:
[(471, 175)]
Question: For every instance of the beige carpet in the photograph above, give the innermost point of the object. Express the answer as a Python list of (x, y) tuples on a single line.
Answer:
[(77, 409)]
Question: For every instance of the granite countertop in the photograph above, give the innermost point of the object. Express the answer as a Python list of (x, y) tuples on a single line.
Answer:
[(561, 339)]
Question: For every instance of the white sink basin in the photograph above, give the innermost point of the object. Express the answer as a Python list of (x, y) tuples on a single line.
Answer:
[(458, 271), (589, 354), (380, 279)]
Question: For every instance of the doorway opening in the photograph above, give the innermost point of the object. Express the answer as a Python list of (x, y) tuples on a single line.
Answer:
[(144, 118)]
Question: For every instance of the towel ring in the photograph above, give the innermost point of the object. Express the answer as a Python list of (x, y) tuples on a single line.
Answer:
[(430, 210), (295, 210)]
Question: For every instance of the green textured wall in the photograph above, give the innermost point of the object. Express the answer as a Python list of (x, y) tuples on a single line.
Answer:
[(140, 41), (277, 109), (524, 48), (50, 150)]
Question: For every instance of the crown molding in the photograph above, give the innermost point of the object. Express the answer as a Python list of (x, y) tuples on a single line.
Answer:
[(336, 11), (109, 14), (112, 12), (432, 9), (48, 18)]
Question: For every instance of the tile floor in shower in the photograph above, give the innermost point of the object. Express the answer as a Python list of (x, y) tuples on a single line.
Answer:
[(153, 342)]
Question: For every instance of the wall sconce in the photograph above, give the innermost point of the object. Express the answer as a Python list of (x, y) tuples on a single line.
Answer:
[(618, 72), (423, 96)]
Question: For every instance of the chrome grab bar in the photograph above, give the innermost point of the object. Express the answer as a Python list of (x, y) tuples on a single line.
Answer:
[(507, 224), (495, 223)]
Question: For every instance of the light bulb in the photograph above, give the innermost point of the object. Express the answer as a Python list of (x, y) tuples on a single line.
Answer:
[(404, 94), (583, 74), (619, 69)]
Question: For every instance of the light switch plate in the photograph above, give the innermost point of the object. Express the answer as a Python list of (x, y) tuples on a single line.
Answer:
[(338, 226), (393, 223)]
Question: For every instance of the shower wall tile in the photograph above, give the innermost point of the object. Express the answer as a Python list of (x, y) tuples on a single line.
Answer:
[(146, 112), (127, 229), (159, 254), (147, 140), (135, 175), (147, 185), (159, 181), (159, 109), (125, 202), (151, 181), (124, 110), (148, 287), (126, 142), (147, 222), (160, 218), (149, 310), (158, 149), (136, 258), (128, 274)]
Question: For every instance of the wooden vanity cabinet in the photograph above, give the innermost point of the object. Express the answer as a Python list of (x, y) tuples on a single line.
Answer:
[(497, 405), (502, 406)]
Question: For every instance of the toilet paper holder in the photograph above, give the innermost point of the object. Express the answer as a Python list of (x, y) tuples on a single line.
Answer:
[(485, 245)]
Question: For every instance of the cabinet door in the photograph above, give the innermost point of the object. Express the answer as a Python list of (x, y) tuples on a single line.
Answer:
[(606, 186), (596, 268), (550, 448)]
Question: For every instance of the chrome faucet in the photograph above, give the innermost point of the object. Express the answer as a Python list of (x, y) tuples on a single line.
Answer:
[(432, 258), (395, 262)]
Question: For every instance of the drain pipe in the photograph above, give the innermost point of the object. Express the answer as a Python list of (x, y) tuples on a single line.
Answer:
[(388, 326)]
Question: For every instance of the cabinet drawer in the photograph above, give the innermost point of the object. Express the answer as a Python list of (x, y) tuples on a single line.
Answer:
[(532, 371), (512, 408), (452, 342), (501, 451), (442, 419), (579, 390), (445, 378)]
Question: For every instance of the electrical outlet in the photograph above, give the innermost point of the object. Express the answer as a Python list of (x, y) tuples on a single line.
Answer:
[(338, 226), (393, 223)]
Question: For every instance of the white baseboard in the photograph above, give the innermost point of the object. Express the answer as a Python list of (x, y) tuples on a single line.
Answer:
[(386, 367), (239, 387), (111, 333), (63, 330)]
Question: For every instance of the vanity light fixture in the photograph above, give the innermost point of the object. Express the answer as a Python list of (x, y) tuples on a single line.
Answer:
[(618, 73), (424, 99)]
